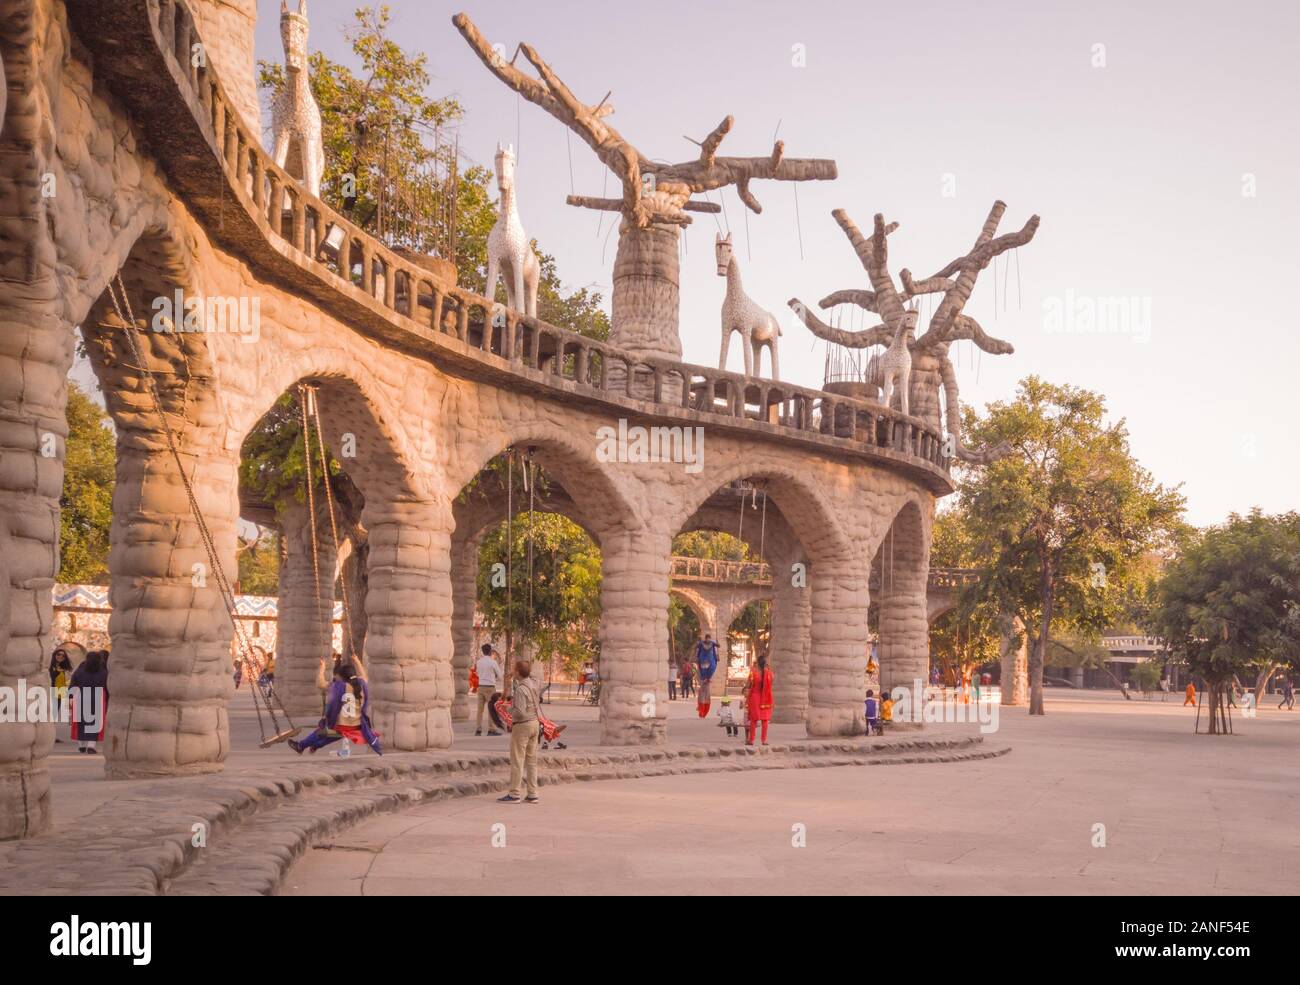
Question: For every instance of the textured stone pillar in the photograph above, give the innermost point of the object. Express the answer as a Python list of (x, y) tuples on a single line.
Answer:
[(408, 634), (226, 27), (634, 637), (1014, 651), (837, 662), (645, 302), (36, 347), (305, 618), (464, 597), (791, 644), (904, 644), (170, 675)]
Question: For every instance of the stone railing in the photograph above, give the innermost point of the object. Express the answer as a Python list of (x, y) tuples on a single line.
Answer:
[(356, 274), (951, 578), (726, 572)]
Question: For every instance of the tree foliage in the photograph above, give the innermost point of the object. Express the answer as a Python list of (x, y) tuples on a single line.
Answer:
[(1066, 522), (86, 504), (1227, 604), (563, 586)]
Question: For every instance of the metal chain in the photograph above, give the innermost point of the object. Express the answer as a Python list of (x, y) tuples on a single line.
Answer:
[(334, 529)]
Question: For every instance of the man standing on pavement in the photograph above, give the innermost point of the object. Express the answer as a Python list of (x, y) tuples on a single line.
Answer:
[(489, 684), (523, 735)]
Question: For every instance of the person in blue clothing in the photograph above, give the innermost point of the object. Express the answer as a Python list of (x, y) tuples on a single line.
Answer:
[(706, 658), (871, 711), (347, 714)]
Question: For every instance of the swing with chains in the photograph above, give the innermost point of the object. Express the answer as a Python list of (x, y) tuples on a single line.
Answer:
[(269, 700)]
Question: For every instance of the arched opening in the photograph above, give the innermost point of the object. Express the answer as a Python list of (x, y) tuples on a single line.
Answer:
[(528, 564), (899, 617), (789, 534)]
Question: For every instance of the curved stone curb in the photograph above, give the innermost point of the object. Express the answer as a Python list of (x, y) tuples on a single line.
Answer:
[(268, 847), (142, 842)]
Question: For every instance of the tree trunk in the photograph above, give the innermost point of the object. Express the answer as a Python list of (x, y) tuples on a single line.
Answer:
[(1039, 656), (645, 301), (1261, 682)]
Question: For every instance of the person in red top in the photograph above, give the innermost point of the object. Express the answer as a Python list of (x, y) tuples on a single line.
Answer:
[(758, 699)]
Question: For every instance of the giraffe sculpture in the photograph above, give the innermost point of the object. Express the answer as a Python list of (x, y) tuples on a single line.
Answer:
[(295, 117), (893, 369), (741, 314), (510, 255)]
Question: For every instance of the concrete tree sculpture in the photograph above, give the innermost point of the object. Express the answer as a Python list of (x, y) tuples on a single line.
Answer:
[(656, 197), (931, 368)]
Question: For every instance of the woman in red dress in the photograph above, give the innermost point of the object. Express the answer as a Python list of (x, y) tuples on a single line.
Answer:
[(758, 699)]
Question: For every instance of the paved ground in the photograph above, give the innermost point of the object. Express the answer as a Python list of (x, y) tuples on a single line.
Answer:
[(1183, 814)]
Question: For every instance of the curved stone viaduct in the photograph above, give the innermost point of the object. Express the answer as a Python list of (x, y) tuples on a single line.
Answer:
[(121, 156)]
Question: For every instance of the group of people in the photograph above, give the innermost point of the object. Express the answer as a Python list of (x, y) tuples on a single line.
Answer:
[(695, 675), (83, 682), (878, 711)]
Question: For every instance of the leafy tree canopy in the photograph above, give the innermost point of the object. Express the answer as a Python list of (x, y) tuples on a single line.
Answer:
[(86, 504)]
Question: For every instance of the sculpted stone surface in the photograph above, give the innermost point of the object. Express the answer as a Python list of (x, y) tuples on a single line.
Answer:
[(411, 375), (295, 117), (510, 252), (756, 326)]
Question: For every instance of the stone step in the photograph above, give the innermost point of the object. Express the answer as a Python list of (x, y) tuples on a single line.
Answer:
[(256, 858)]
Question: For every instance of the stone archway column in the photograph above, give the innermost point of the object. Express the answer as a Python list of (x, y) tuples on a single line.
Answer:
[(791, 643), (904, 648), (464, 598), (304, 618), (35, 354), (634, 637), (837, 663), (408, 629), (170, 676)]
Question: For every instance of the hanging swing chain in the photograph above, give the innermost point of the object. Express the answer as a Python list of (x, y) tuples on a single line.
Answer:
[(531, 479), (510, 549), (334, 527), (127, 317), (311, 494)]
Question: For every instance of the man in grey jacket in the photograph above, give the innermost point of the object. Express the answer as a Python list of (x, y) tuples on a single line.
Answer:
[(523, 734)]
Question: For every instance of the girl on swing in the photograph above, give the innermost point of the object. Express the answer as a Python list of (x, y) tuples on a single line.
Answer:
[(347, 713)]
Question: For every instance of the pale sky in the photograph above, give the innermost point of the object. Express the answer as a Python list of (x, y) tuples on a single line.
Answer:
[(1166, 176)]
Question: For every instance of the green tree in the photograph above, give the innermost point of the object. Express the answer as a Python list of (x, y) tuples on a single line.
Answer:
[(86, 504), (555, 606), (381, 128), (387, 159), (1062, 523), (1227, 603), (259, 564)]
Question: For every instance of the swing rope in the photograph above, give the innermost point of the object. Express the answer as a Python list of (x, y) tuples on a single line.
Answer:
[(313, 400), (268, 695)]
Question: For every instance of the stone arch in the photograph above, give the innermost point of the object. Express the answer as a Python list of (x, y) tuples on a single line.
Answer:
[(818, 647), (473, 515), (359, 433), (590, 484), (169, 628), (804, 505)]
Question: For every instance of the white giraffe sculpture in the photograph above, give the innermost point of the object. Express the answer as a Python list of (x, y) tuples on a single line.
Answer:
[(740, 313), (892, 370), (295, 117), (510, 254)]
